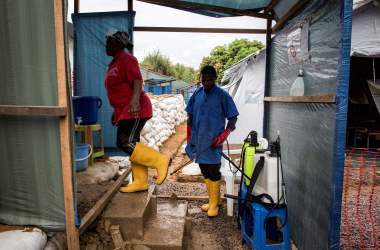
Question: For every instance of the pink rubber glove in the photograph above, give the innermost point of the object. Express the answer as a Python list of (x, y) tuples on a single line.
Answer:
[(221, 138)]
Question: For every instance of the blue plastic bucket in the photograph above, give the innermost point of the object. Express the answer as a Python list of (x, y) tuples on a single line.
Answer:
[(82, 153), (86, 109)]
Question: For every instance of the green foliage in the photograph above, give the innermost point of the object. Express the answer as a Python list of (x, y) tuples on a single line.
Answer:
[(222, 57), (157, 62)]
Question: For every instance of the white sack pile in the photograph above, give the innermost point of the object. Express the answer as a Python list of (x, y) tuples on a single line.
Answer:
[(168, 112), (34, 239)]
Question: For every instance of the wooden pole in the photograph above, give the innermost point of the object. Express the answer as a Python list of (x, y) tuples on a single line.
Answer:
[(267, 74), (76, 6), (200, 30), (130, 5), (64, 127)]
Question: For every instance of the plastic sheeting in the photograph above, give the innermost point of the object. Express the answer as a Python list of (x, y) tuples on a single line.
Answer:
[(366, 31), (313, 135), (91, 61), (31, 188), (247, 81), (320, 71), (307, 144)]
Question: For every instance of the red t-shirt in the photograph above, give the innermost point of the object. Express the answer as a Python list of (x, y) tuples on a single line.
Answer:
[(122, 71)]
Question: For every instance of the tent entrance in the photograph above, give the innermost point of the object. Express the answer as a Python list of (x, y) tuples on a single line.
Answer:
[(363, 108)]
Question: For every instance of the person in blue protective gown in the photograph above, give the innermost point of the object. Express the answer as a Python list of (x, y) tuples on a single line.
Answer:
[(208, 109)]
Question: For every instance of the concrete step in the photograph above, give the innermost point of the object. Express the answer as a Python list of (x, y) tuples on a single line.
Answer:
[(166, 230), (130, 211)]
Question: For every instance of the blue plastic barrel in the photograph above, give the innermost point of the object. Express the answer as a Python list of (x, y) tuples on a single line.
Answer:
[(81, 156), (86, 109)]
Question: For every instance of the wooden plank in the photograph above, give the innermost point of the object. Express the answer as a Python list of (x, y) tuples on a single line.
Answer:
[(64, 127), (199, 6), (17, 110), (101, 203), (199, 30), (76, 6), (297, 7), (329, 98)]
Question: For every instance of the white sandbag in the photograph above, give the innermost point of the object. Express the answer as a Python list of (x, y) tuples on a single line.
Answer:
[(34, 239), (97, 173)]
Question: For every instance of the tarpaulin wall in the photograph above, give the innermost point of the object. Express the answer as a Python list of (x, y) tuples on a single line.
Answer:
[(91, 61), (313, 134), (31, 186)]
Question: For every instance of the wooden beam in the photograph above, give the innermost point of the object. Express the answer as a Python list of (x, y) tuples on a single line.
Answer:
[(64, 127), (130, 5), (76, 6), (17, 110), (297, 7), (199, 6), (200, 30), (101, 203), (329, 98)]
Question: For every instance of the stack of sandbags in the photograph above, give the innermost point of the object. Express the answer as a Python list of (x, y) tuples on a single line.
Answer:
[(168, 112), (33, 239)]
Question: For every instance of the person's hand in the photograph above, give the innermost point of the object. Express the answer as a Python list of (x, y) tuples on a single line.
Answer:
[(134, 107), (221, 138), (188, 135)]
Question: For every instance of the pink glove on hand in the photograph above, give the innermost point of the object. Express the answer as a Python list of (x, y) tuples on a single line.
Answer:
[(221, 138)]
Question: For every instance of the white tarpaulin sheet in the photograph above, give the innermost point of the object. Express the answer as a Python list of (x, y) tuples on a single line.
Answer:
[(366, 31), (247, 82)]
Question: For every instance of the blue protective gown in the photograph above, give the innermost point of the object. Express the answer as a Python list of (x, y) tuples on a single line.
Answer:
[(209, 113)]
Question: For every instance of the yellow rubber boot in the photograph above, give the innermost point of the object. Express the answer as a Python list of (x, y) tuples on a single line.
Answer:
[(205, 207), (151, 158), (214, 198), (140, 179)]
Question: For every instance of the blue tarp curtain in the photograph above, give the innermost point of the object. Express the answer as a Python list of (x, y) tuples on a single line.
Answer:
[(91, 61)]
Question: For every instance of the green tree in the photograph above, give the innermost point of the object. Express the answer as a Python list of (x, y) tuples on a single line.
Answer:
[(157, 62), (185, 73), (222, 57)]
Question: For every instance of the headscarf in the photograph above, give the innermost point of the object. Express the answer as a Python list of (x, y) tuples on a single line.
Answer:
[(122, 37)]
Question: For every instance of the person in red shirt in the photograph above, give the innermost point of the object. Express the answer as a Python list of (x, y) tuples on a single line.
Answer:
[(132, 109)]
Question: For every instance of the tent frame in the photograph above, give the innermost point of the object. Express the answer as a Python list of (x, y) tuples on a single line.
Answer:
[(61, 110)]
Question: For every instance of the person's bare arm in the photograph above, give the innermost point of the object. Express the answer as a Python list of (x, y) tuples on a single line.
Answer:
[(135, 102)]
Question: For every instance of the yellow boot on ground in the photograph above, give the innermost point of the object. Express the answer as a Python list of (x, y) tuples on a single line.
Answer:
[(151, 158), (214, 198), (140, 179), (205, 206)]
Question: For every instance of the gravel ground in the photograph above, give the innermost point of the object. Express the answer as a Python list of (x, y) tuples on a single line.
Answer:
[(213, 234)]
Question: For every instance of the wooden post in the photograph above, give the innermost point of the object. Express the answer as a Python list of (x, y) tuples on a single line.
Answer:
[(76, 6), (130, 5), (64, 127), (267, 73)]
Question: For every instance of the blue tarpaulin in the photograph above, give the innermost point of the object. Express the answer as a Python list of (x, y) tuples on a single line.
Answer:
[(91, 61)]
